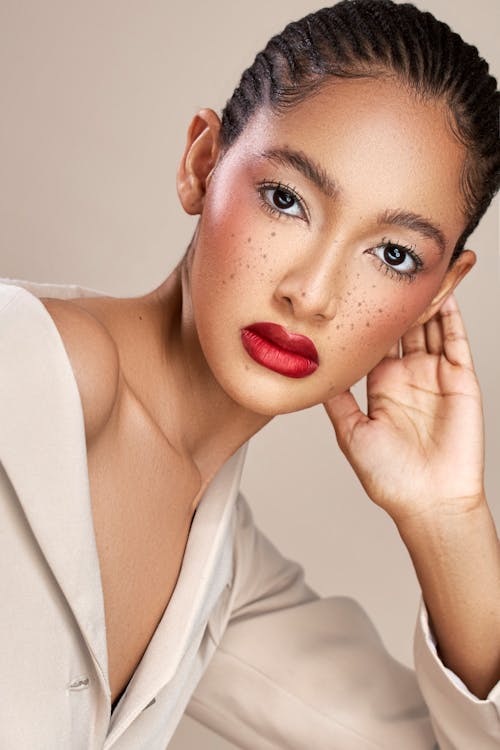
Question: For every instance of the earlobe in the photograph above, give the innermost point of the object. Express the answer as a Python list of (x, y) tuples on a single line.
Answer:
[(198, 160), (464, 263)]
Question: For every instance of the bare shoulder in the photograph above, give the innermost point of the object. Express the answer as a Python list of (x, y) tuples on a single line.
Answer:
[(94, 358)]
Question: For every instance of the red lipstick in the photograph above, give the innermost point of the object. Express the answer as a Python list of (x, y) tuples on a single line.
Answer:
[(273, 347)]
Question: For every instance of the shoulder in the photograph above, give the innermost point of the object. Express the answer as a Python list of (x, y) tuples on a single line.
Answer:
[(94, 358)]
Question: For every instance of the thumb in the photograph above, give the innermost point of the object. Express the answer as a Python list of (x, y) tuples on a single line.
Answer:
[(345, 415)]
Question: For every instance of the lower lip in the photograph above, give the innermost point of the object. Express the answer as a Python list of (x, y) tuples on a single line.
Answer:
[(275, 358)]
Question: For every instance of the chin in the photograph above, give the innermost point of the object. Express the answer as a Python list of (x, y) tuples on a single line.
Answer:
[(268, 393)]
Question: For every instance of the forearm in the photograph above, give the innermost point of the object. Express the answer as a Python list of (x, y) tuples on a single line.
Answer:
[(457, 561)]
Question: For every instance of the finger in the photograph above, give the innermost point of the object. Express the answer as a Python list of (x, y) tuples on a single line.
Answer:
[(414, 340), (455, 342), (434, 335), (393, 352), (345, 414)]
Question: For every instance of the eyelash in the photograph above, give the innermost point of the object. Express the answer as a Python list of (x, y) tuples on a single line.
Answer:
[(385, 242), (263, 186), (391, 270)]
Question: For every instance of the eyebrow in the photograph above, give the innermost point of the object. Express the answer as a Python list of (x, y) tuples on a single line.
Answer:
[(316, 174), (304, 164), (417, 223)]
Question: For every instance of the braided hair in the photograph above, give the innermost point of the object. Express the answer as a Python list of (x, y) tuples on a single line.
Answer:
[(377, 38)]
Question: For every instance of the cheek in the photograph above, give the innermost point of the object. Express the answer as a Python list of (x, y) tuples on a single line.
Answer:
[(234, 252), (373, 315)]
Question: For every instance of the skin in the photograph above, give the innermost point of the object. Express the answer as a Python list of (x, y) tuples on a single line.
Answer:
[(317, 276), (314, 275), (317, 269), (311, 268)]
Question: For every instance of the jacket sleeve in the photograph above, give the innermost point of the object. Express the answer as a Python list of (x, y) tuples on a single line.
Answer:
[(293, 670)]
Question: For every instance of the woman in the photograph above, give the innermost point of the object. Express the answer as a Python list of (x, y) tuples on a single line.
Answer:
[(335, 198)]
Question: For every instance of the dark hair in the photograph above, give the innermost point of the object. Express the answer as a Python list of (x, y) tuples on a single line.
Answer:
[(377, 38)]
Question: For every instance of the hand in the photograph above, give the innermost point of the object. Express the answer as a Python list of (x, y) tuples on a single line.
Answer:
[(420, 447)]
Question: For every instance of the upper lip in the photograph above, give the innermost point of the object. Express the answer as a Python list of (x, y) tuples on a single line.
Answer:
[(292, 342)]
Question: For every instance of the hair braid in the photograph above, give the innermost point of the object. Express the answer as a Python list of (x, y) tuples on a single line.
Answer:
[(376, 38)]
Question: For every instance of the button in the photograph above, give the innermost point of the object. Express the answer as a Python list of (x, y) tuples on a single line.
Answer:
[(79, 683)]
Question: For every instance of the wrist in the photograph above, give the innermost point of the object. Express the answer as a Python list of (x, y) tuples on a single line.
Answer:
[(444, 516), (455, 555)]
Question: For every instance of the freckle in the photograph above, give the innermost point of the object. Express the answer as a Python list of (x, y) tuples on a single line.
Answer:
[(302, 294), (380, 309), (248, 266), (249, 239), (348, 294), (338, 326), (140, 317), (374, 286), (264, 255), (343, 348), (357, 275), (352, 326), (232, 234), (232, 276), (273, 234), (247, 367), (223, 282), (367, 325), (359, 304)]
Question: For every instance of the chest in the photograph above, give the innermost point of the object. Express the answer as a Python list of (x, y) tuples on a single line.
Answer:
[(141, 493)]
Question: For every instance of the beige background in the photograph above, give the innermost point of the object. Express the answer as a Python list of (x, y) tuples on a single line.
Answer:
[(97, 97)]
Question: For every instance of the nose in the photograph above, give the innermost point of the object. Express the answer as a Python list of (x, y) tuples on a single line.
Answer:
[(308, 289)]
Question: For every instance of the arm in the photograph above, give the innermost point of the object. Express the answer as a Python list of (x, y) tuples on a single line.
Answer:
[(425, 406), (454, 544)]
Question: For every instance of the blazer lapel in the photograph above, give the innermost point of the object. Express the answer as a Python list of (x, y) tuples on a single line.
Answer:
[(42, 448)]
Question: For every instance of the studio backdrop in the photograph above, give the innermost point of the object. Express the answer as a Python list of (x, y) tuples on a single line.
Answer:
[(96, 100)]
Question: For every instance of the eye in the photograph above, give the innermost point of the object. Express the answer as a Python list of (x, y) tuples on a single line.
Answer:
[(398, 260), (280, 200)]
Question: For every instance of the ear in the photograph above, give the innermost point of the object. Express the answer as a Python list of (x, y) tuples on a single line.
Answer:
[(464, 263), (198, 160)]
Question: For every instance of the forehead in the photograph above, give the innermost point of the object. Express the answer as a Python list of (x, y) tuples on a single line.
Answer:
[(378, 142)]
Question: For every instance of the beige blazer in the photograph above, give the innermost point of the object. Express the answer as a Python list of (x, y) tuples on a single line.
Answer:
[(245, 646)]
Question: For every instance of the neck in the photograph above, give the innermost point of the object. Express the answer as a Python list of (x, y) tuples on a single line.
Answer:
[(204, 423)]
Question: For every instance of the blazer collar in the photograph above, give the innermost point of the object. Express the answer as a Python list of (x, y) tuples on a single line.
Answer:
[(42, 448)]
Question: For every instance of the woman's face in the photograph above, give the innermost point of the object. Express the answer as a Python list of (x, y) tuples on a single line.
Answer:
[(335, 221)]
